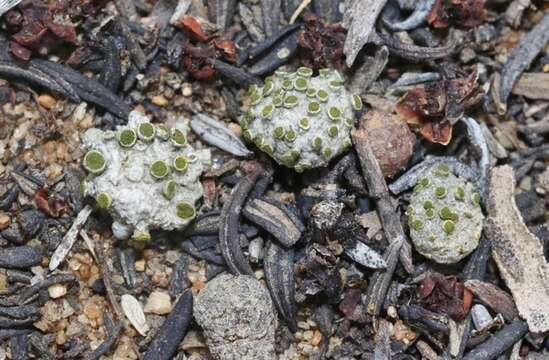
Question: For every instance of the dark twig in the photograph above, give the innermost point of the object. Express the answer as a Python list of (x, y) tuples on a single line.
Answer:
[(112, 335), (390, 218), (499, 342), (173, 330), (229, 235)]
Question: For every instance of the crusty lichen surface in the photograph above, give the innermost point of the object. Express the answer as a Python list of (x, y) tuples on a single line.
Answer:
[(444, 216), (302, 121), (145, 175)]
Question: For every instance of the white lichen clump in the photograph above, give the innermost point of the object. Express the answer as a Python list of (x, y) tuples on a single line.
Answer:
[(301, 121), (444, 216), (145, 175)]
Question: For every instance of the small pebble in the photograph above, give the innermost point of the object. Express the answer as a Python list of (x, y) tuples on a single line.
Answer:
[(5, 221), (159, 303), (303, 325), (57, 290), (308, 335), (140, 265), (159, 100), (187, 90), (46, 101), (481, 316), (31, 222), (317, 338)]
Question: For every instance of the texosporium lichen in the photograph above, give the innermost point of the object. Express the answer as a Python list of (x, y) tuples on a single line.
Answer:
[(301, 121), (444, 216), (145, 175)]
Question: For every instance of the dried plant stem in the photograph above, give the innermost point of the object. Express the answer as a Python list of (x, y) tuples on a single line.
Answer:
[(390, 218), (299, 10)]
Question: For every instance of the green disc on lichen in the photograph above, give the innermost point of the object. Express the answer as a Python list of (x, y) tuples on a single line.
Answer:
[(104, 200), (356, 102), (287, 84), (416, 224), (290, 135), (445, 213), (317, 144), (311, 92), (94, 162), (268, 88), (304, 123), (141, 236), (424, 182), (279, 132), (475, 199), (333, 131), (159, 169), (180, 163), (252, 89), (255, 98), (247, 135), (459, 194), (448, 226), (327, 152), (324, 72), (267, 111), (322, 95), (336, 85), (162, 132), (185, 210), (334, 113), (267, 148), (300, 84), (146, 131), (428, 204), (290, 101), (313, 107), (305, 71), (442, 170), (168, 190), (127, 138), (350, 122), (178, 138), (440, 192)]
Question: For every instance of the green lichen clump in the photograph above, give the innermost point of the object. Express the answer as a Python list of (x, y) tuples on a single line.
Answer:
[(145, 175), (300, 120), (444, 216)]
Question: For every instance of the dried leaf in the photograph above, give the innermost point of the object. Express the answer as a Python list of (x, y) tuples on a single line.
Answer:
[(445, 295), (275, 219), (494, 297), (218, 134), (134, 312), (533, 86), (434, 107), (51, 205), (466, 13), (194, 29), (360, 19), (366, 256), (321, 45)]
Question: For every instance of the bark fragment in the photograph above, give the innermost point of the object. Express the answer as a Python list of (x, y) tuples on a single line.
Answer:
[(517, 252)]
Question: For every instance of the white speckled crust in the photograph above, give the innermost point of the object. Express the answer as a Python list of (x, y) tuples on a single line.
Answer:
[(261, 130), (238, 319), (137, 199), (431, 240)]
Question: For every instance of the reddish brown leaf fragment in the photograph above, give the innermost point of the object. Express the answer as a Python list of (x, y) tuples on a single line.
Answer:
[(51, 205), (465, 13), (445, 295), (227, 47), (321, 45), (194, 29)]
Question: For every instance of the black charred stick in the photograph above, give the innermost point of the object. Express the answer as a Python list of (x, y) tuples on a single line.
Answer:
[(203, 242), (388, 212), (413, 52), (88, 89), (18, 347), (16, 323), (520, 58), (44, 284), (111, 73), (276, 219), (8, 333), (237, 75), (271, 41), (113, 331), (475, 269), (39, 343), (173, 330), (423, 319), (136, 52), (36, 77), (229, 235), (19, 312), (278, 266), (499, 342), (278, 55), (207, 255), (179, 281), (19, 257), (271, 11), (205, 224)]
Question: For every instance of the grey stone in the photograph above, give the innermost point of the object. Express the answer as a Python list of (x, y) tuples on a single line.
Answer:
[(481, 316), (237, 316)]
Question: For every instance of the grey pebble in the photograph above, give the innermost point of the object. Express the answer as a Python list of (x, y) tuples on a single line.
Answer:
[(19, 257)]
